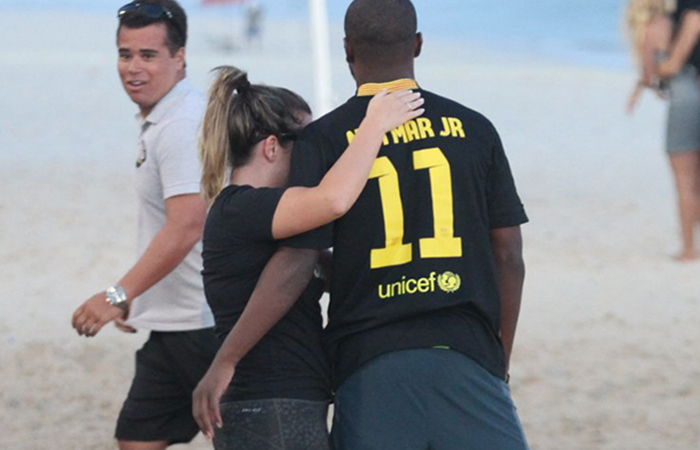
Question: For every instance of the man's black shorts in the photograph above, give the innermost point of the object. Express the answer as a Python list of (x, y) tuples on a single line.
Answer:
[(168, 368)]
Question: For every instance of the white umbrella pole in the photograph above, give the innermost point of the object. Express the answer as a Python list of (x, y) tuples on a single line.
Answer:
[(320, 40)]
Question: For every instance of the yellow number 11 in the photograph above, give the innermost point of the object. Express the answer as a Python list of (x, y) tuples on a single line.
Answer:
[(443, 244)]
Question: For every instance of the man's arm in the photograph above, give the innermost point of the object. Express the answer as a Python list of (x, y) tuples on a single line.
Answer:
[(507, 246), (182, 230), (185, 215), (682, 45), (284, 278)]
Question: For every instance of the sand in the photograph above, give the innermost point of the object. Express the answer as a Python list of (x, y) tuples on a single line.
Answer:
[(606, 352)]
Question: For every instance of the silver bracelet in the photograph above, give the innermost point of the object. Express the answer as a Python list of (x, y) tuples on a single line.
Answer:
[(117, 297)]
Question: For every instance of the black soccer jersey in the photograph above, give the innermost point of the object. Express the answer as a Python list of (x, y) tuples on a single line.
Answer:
[(289, 361), (412, 259)]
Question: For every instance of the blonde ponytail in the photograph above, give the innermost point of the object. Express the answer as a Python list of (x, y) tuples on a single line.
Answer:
[(238, 116), (214, 141)]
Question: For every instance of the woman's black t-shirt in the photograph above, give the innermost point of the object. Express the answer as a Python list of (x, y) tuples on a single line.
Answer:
[(289, 361), (683, 6)]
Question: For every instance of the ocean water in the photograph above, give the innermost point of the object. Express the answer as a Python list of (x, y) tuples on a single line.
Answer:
[(585, 32)]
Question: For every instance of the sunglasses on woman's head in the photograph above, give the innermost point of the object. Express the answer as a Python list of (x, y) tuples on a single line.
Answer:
[(288, 136)]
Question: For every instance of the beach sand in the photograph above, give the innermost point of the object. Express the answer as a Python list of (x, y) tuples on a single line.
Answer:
[(606, 355)]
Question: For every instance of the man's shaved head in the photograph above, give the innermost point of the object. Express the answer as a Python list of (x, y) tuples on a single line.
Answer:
[(381, 30)]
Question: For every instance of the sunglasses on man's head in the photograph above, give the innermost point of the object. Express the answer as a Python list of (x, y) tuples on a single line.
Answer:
[(153, 11), (147, 9)]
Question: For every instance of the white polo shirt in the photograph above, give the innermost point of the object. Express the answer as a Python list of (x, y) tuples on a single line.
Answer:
[(167, 166)]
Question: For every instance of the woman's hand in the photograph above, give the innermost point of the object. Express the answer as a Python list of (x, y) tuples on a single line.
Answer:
[(389, 110), (207, 395), (634, 97)]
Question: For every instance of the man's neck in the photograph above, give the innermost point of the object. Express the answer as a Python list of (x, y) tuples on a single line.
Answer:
[(145, 111), (382, 75)]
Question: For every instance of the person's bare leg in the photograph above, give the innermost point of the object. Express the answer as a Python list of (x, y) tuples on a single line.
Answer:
[(697, 189), (685, 171), (138, 445)]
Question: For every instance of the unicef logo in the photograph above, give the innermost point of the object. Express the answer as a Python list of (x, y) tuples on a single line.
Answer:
[(449, 282)]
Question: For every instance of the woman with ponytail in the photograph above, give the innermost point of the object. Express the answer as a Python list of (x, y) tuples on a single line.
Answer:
[(279, 395)]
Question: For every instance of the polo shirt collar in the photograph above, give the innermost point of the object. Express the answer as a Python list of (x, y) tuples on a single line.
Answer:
[(166, 103), (369, 89)]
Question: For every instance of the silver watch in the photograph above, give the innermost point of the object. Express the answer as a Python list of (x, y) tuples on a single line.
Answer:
[(117, 297)]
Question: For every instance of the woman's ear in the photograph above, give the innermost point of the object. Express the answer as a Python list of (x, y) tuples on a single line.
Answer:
[(271, 148)]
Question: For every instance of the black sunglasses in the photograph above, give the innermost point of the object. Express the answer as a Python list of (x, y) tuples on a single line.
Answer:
[(288, 136), (153, 11)]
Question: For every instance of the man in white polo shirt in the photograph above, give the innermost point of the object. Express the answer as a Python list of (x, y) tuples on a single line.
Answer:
[(163, 291)]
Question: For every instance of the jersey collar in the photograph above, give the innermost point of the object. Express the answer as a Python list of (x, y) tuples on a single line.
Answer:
[(369, 89)]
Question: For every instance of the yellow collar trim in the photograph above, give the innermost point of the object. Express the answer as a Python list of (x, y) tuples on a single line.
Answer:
[(391, 86)]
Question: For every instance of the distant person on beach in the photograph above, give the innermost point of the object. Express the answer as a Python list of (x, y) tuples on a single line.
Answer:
[(276, 394), (254, 18), (163, 291), (663, 62), (684, 61), (427, 265)]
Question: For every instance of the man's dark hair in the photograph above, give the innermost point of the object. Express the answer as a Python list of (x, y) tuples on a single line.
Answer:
[(176, 25), (381, 30)]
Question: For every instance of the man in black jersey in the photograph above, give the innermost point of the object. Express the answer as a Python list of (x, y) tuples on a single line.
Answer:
[(427, 267)]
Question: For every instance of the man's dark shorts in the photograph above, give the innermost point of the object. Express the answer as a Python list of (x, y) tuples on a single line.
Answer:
[(168, 368), (425, 399)]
